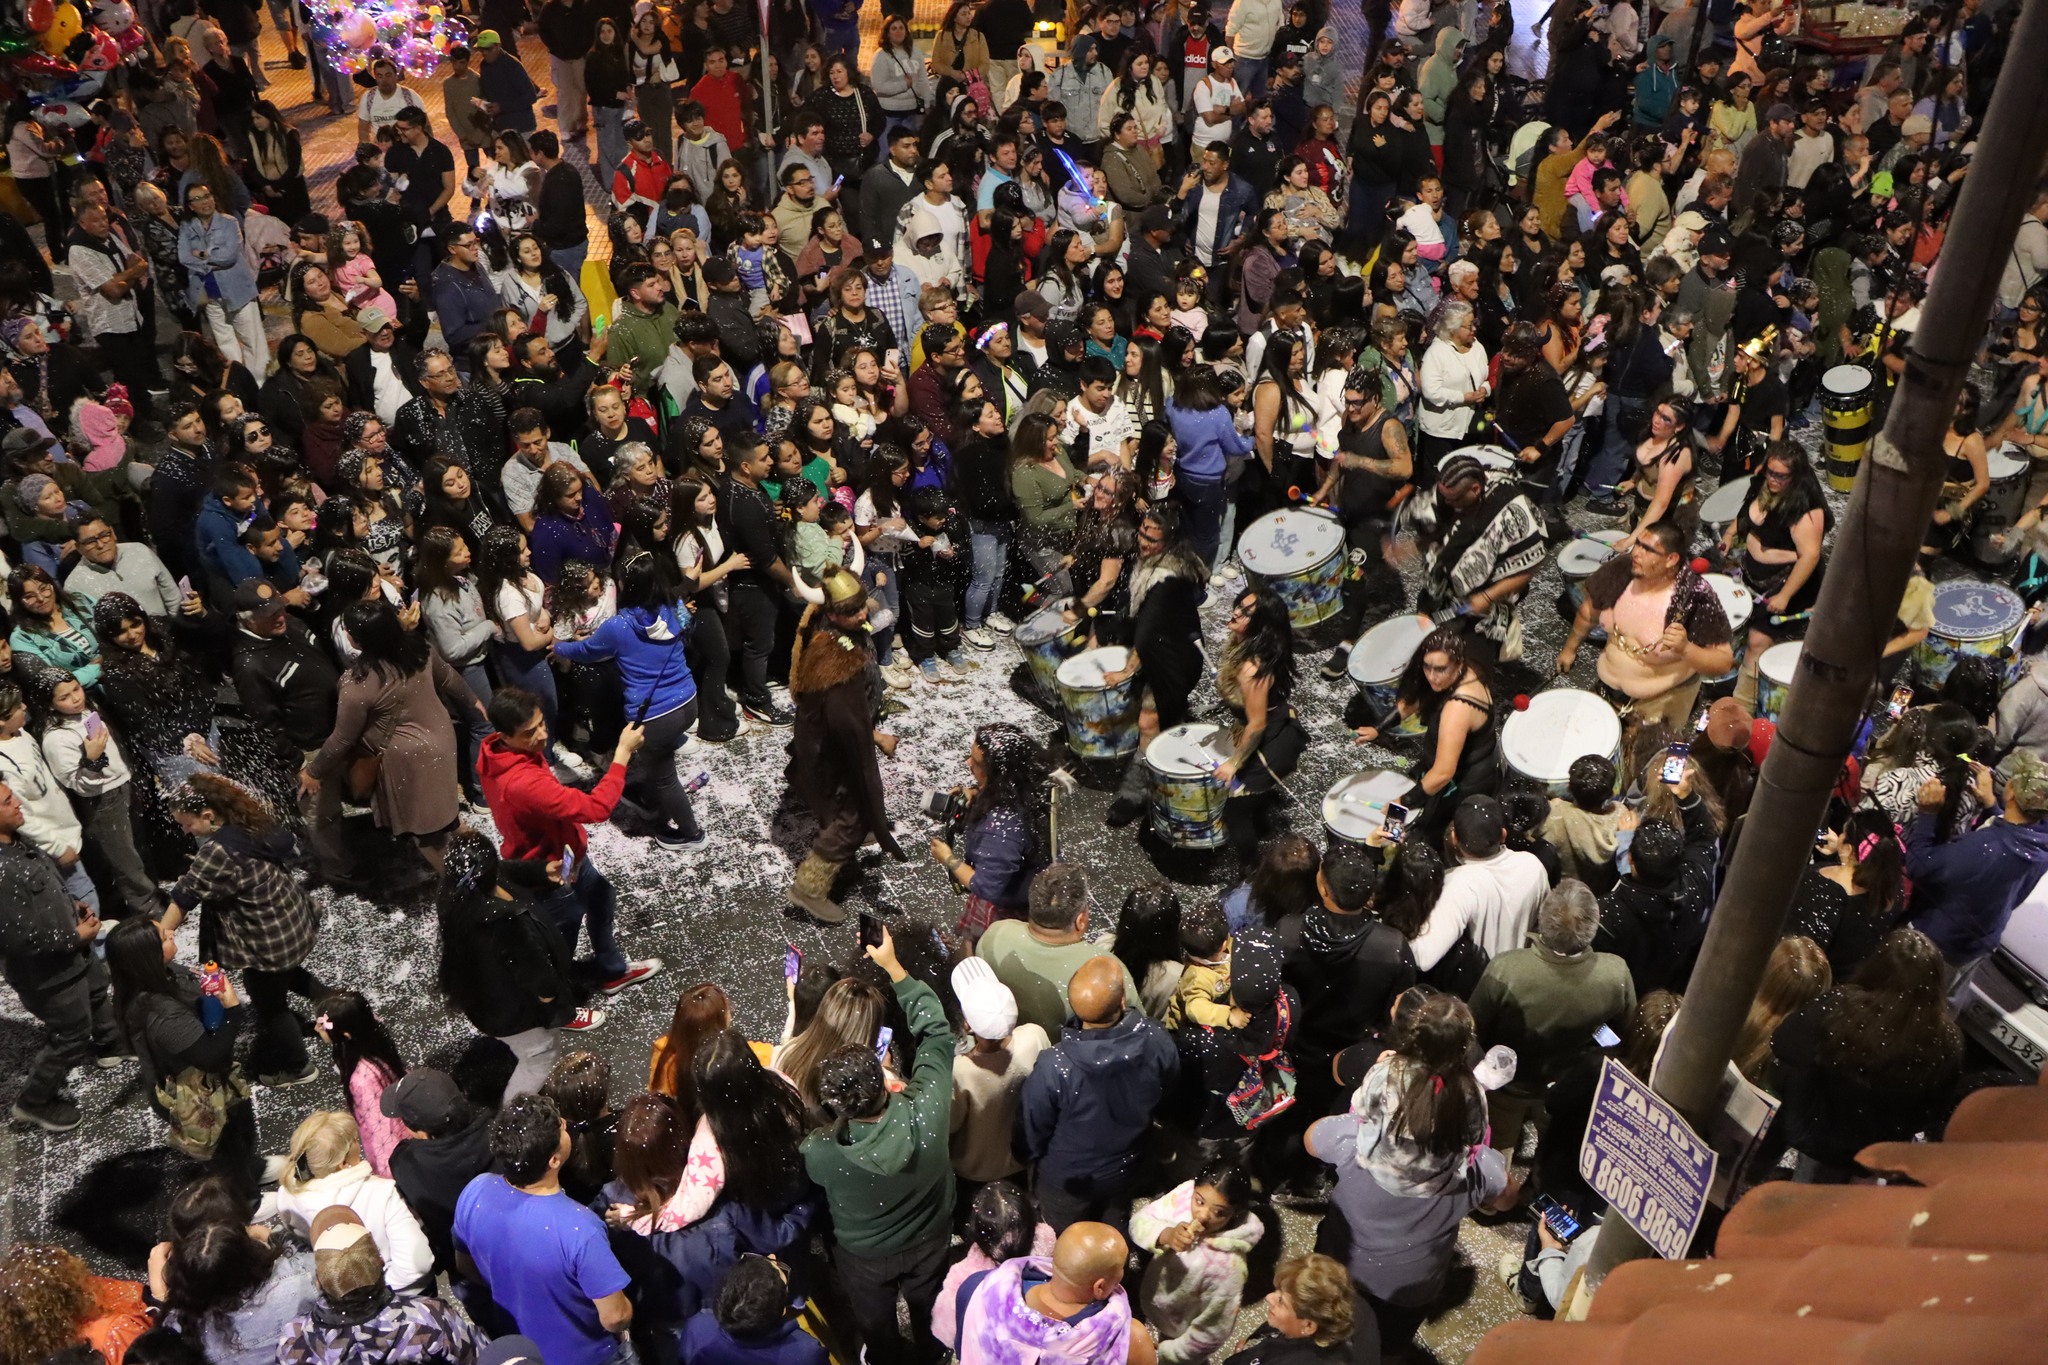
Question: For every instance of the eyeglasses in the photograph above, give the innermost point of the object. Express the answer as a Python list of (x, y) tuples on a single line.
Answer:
[(98, 538)]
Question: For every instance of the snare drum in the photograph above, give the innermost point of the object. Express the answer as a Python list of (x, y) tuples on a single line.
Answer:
[(1736, 605), (1187, 800), (1848, 401), (1576, 563), (1560, 727), (2002, 505), (1048, 641), (1494, 458), (1299, 555), (1775, 670), (1969, 618), (1721, 509), (1102, 717), (1357, 805), (1381, 656)]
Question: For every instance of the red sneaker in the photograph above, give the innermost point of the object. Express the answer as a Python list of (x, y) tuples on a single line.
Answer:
[(585, 1018), (635, 973)]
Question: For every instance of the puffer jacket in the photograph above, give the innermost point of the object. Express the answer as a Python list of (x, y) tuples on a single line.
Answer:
[(1191, 1297)]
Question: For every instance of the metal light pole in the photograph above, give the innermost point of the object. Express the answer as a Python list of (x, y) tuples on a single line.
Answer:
[(1873, 555)]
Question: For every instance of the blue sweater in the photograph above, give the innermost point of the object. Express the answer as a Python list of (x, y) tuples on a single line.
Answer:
[(650, 654), (1204, 438), (706, 1343), (1964, 891), (217, 536)]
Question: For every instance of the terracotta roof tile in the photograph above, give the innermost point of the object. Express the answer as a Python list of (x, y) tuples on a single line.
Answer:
[(1979, 1213), (2002, 1114), (1696, 1336), (1930, 1163), (1858, 1284)]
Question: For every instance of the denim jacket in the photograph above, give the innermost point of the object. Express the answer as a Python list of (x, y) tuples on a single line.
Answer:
[(212, 249)]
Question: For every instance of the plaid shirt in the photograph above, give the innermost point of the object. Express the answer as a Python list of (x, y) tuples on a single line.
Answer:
[(258, 915)]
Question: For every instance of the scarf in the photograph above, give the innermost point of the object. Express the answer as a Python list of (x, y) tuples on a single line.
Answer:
[(1000, 1328)]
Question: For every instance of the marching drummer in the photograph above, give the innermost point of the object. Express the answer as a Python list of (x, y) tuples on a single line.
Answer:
[(1482, 541), (1371, 467), (1165, 634), (1665, 629)]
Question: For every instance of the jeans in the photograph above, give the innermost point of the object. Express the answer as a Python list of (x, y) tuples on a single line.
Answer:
[(1251, 75), (710, 659), (239, 335), (890, 594), (751, 614), (110, 853), (529, 669), (990, 541), (79, 887), (570, 259), (874, 1283), (653, 767), (536, 1051), (611, 140), (589, 903), (473, 728), (1205, 501), (280, 1048), (1611, 461), (78, 1013)]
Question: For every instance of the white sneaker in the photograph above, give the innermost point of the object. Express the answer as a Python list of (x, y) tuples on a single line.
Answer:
[(898, 677), (999, 623), (570, 759), (981, 637), (690, 745)]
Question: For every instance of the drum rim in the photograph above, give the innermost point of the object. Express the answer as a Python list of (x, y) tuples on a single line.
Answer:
[(1250, 560), (1868, 380), (1579, 696), (1763, 660), (1707, 503), (1181, 776), (1349, 779), (1939, 629), (1575, 543), (1020, 634), (1093, 687), (2021, 466)]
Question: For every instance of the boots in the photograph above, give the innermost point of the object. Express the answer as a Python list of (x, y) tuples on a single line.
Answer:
[(811, 890)]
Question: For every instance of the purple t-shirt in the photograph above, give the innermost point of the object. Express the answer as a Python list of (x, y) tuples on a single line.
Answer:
[(547, 1262)]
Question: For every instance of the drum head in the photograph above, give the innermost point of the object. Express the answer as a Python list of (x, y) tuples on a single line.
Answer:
[(1969, 610), (1736, 601), (1560, 727), (1043, 624), (2006, 465), (1725, 504), (1187, 751), (1582, 556), (1357, 805), (1780, 662), (1382, 652), (1844, 381), (1084, 672), (1284, 543)]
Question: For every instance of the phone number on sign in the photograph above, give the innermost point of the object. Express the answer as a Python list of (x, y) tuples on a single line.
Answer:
[(1625, 1189)]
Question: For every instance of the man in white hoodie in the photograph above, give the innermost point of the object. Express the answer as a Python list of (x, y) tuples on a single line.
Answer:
[(47, 817), (1490, 896)]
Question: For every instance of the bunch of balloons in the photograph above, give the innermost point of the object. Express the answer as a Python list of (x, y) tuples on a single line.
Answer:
[(413, 33), (58, 60)]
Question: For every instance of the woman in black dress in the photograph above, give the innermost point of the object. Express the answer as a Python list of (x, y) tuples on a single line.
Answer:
[(1255, 678), (1167, 584), (1446, 685)]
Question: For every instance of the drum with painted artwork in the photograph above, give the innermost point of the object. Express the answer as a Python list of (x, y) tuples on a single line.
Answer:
[(1775, 669), (1187, 800), (1970, 617), (1736, 604), (1299, 554), (1049, 641), (1102, 716), (1991, 541)]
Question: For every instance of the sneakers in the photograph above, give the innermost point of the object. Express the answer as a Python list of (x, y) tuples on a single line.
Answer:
[(283, 1080), (897, 676), (960, 664), (1338, 665), (930, 668), (636, 972), (999, 623), (585, 1018), (981, 637), (675, 841), (691, 744), (1606, 507), (54, 1115), (573, 761), (274, 1168), (764, 711)]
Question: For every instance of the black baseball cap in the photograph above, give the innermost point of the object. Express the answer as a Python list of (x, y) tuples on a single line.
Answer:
[(424, 1099)]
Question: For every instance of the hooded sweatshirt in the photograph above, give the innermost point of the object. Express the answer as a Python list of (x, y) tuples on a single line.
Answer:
[(889, 1180), (998, 1325), (1439, 81), (1347, 969), (535, 814), (102, 430), (375, 1200), (1089, 1102), (1191, 1297), (648, 647)]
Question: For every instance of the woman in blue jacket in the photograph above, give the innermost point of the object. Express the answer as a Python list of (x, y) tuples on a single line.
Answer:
[(646, 638), (1206, 437)]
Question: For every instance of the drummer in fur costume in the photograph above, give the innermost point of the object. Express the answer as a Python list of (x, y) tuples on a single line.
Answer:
[(1665, 629), (832, 765), (1167, 588), (1482, 541)]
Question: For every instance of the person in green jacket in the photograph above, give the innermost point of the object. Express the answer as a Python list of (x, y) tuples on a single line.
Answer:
[(886, 1168), (646, 325)]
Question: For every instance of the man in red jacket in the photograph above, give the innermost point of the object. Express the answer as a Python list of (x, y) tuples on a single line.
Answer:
[(642, 177), (539, 818)]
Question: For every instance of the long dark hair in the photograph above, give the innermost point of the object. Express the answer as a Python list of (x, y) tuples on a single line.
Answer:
[(1433, 1033), (1880, 871), (1269, 640), (135, 960), (1456, 644), (1891, 1026), (755, 1117), (386, 647), (498, 564), (552, 280), (431, 573), (1148, 928), (1283, 881), (580, 1086), (1408, 892), (357, 1035), (701, 1010)]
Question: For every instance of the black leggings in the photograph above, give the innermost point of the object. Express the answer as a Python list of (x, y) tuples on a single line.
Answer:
[(280, 1047)]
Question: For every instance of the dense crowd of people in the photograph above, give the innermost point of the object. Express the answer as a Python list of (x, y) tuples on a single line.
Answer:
[(881, 356)]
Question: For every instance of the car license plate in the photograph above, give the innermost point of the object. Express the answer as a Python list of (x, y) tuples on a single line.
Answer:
[(2021, 1046)]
